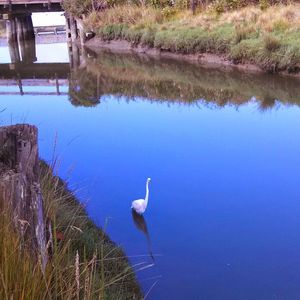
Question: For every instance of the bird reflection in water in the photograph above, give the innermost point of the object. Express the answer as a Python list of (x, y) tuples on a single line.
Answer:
[(140, 223)]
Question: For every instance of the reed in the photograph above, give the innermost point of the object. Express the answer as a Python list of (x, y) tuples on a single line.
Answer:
[(84, 263)]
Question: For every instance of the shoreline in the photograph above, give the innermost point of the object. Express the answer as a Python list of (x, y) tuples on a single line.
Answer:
[(62, 251), (89, 237), (209, 60)]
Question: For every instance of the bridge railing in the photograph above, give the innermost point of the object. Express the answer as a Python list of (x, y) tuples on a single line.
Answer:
[(27, 2)]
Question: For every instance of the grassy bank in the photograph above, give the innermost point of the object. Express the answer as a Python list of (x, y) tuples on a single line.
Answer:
[(267, 36), (84, 264), (2, 29)]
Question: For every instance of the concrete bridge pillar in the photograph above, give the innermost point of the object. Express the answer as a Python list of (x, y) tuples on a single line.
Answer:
[(29, 39), (11, 31), (20, 34), (26, 38)]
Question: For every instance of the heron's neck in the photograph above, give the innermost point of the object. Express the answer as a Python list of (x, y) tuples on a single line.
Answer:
[(147, 194)]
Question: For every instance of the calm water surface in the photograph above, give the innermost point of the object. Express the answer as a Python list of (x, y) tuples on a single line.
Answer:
[(223, 152)]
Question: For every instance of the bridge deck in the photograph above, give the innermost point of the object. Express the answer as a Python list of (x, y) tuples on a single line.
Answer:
[(27, 2), (30, 6)]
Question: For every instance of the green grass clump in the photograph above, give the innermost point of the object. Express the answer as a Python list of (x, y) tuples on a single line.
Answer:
[(192, 40), (2, 28), (133, 35), (148, 36), (112, 32), (273, 52), (245, 50), (271, 43), (243, 32)]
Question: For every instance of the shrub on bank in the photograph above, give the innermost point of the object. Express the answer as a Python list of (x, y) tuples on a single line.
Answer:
[(269, 38)]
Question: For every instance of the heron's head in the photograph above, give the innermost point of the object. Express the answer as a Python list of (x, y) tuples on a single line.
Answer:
[(148, 179)]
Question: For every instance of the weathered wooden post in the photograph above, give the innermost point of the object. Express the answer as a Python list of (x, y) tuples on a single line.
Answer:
[(73, 28), (68, 28), (29, 39), (20, 190), (81, 29), (74, 56)]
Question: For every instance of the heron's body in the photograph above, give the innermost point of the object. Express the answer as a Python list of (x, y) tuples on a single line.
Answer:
[(140, 205)]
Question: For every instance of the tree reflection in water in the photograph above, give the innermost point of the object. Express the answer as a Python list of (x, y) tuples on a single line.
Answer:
[(134, 76)]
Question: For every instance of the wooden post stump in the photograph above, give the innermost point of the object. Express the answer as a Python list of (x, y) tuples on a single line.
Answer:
[(20, 190)]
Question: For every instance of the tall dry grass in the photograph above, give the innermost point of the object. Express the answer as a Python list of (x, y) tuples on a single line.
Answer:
[(281, 17), (83, 264), (275, 17), (125, 14), (2, 28)]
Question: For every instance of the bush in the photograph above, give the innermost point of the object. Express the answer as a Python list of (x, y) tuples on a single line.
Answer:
[(182, 4), (221, 6), (244, 32), (77, 7), (270, 42), (148, 36), (159, 3), (126, 14)]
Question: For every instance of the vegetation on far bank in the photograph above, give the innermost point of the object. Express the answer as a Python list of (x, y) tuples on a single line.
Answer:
[(2, 29), (84, 263), (261, 33)]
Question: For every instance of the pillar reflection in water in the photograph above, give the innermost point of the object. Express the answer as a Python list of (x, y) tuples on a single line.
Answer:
[(21, 38), (83, 88), (12, 40)]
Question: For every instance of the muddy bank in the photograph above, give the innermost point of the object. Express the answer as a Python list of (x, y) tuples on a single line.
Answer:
[(204, 59)]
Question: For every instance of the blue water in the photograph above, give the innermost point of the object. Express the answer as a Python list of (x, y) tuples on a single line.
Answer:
[(224, 206)]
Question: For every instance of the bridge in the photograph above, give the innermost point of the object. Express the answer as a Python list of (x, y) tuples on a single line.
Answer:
[(23, 69), (31, 78), (19, 27)]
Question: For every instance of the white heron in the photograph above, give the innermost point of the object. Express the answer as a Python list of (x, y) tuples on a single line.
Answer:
[(140, 205)]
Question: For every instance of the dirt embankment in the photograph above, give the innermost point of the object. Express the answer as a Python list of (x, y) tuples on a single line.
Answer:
[(210, 60)]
